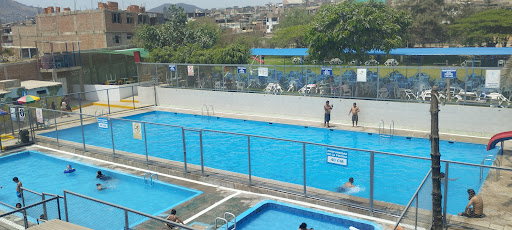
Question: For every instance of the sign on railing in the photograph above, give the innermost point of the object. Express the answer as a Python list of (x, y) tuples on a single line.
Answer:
[(449, 73), (137, 130), (337, 156), (102, 123)]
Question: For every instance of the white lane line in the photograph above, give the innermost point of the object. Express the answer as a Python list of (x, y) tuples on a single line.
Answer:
[(12, 224), (211, 207), (341, 212)]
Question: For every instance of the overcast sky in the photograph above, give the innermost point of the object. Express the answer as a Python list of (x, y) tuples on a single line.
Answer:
[(86, 4)]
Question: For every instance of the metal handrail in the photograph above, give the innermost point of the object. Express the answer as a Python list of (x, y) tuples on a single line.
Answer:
[(151, 177), (234, 218), (415, 196), (491, 158), (213, 111), (27, 207), (222, 219), (392, 128), (130, 210), (381, 124), (145, 176), (2, 203)]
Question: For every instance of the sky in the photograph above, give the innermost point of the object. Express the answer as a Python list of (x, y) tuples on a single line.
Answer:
[(86, 4)]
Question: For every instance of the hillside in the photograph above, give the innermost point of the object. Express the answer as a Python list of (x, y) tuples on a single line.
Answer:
[(188, 8), (12, 11)]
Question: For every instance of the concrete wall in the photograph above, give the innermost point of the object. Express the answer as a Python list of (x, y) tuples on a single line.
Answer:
[(26, 70), (468, 120), (115, 92)]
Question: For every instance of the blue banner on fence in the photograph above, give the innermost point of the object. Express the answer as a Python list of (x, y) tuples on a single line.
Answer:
[(242, 70), (172, 68), (102, 122), (337, 156), (327, 71), (449, 73)]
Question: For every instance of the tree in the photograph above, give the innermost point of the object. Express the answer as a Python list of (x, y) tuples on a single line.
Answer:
[(486, 28), (353, 28), (296, 16), (428, 17), (291, 36)]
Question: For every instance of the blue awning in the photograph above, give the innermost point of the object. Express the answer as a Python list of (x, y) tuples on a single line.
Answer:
[(455, 51)]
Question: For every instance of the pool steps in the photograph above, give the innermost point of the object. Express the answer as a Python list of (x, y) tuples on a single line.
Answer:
[(150, 178), (226, 221), (382, 129)]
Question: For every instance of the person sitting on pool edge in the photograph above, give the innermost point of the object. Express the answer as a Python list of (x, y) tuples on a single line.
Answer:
[(18, 186), (478, 206), (304, 226), (173, 218), (100, 176)]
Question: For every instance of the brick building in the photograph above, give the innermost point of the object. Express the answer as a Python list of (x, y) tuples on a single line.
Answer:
[(104, 27)]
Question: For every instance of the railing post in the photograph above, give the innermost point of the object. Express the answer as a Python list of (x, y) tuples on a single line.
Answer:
[(126, 222), (22, 197), (249, 157), (304, 166), (445, 200), (81, 120), (30, 124), (10, 118), (56, 129), (184, 149), (108, 102), (66, 207), (45, 212), (372, 161), (133, 98), (201, 149), (145, 143), (378, 82), (112, 135), (58, 207), (416, 218)]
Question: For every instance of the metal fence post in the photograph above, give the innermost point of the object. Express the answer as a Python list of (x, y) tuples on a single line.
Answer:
[(146, 143), (416, 218), (133, 98), (249, 156), (45, 213), (56, 129), (201, 149), (58, 208), (378, 82), (81, 120), (304, 165), (372, 161), (126, 222), (112, 135), (12, 123), (108, 102), (32, 135), (184, 149), (446, 176), (66, 207)]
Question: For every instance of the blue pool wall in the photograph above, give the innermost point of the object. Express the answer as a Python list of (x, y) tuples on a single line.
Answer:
[(344, 220)]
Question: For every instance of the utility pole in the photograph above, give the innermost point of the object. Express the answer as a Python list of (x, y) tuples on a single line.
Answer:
[(437, 216)]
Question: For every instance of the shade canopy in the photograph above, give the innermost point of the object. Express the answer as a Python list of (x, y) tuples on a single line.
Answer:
[(28, 99)]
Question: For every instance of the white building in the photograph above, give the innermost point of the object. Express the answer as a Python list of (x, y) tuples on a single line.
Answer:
[(271, 21)]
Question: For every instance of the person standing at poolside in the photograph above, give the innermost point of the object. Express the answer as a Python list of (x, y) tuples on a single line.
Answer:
[(355, 111), (327, 116), (18, 186)]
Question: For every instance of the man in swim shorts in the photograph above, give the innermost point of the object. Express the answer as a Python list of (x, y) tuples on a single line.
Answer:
[(478, 206), (354, 110), (327, 116), (173, 218), (18, 186)]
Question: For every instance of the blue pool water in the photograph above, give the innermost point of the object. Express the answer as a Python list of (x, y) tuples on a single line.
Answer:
[(270, 214), (42, 173), (395, 181)]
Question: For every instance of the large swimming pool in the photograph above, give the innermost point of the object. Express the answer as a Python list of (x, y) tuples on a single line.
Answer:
[(396, 178), (42, 173)]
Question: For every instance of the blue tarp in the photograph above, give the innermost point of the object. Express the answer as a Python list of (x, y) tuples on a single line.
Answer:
[(458, 51)]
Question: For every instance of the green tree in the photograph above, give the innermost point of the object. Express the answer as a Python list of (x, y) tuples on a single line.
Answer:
[(291, 36), (427, 17), (486, 28), (353, 28), (296, 16)]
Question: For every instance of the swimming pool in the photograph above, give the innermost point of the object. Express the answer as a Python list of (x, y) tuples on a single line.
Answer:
[(282, 161), (42, 173), (269, 214)]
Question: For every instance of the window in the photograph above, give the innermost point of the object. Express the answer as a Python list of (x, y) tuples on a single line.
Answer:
[(129, 36), (143, 19), (129, 18), (116, 18), (117, 39)]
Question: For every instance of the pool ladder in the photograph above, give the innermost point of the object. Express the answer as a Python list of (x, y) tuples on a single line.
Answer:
[(207, 109), (100, 113), (150, 178), (226, 221), (382, 129), (491, 158)]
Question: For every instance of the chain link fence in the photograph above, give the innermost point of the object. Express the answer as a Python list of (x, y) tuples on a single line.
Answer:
[(397, 83)]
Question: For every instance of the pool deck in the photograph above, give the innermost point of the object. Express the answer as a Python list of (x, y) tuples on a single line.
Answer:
[(222, 193), (58, 225)]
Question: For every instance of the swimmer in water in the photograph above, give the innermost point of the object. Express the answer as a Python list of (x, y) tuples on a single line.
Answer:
[(347, 186), (101, 186), (101, 176), (18, 186)]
